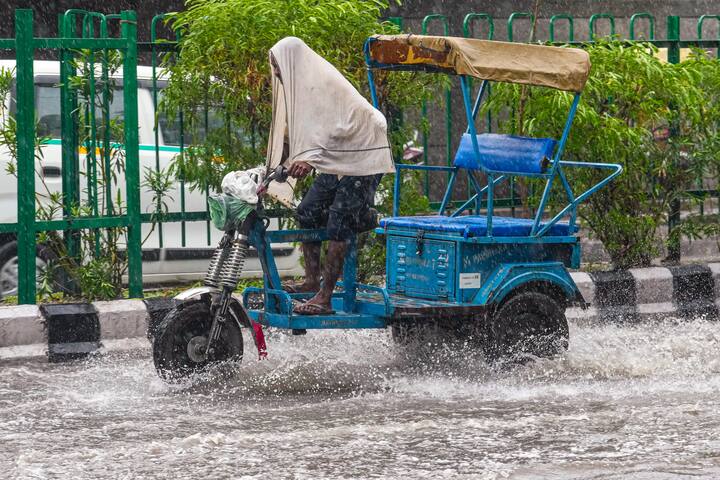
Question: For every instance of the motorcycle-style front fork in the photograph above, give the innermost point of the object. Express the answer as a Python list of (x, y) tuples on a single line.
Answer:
[(219, 319), (224, 272)]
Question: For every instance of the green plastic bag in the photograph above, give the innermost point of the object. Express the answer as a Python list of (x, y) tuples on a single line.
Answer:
[(228, 212)]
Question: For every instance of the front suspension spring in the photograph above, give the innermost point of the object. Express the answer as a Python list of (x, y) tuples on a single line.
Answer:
[(213, 276), (233, 264)]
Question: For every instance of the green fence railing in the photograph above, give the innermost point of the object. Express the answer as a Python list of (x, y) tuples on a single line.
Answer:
[(27, 225), (92, 200), (651, 25), (87, 144), (157, 48), (570, 26)]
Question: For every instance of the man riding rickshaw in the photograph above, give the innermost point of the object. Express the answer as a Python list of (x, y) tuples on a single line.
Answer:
[(320, 122)]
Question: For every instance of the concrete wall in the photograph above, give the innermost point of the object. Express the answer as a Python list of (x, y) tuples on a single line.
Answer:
[(47, 11), (414, 10)]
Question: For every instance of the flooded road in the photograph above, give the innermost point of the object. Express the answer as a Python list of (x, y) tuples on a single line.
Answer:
[(625, 402)]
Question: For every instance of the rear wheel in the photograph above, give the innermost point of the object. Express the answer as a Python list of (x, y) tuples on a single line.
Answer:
[(417, 332), (180, 341), (529, 325), (430, 331)]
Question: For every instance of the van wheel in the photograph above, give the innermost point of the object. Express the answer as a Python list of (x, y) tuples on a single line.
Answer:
[(9, 267), (529, 325)]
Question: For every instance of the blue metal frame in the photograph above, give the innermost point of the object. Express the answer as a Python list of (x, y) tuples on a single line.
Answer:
[(277, 311), (494, 176), (438, 270), (515, 261), (509, 276)]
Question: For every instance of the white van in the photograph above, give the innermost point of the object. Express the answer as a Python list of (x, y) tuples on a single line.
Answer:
[(173, 262)]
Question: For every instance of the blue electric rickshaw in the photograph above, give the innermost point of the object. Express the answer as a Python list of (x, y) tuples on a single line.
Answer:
[(500, 281)]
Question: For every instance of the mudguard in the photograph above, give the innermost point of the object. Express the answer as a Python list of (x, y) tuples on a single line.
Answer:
[(507, 277), (199, 294), (192, 294)]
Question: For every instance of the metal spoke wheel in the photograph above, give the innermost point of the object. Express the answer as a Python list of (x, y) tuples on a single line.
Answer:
[(9, 269), (529, 325), (180, 342)]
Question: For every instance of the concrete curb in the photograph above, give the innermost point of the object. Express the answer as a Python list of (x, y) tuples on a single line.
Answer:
[(636, 295), (21, 325), (648, 294), (133, 314)]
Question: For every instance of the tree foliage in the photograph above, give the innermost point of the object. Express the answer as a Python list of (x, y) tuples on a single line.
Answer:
[(222, 61), (655, 118)]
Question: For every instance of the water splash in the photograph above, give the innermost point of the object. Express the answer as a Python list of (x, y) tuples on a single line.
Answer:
[(625, 401)]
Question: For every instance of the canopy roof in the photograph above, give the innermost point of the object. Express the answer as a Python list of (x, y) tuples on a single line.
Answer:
[(555, 67)]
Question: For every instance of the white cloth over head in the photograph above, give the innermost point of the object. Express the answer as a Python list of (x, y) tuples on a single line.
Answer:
[(329, 124)]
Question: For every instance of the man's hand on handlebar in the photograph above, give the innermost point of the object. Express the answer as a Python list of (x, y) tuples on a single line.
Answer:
[(299, 169), (280, 174)]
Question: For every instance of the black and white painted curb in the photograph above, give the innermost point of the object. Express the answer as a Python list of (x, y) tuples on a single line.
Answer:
[(67, 331), (648, 294), (636, 295)]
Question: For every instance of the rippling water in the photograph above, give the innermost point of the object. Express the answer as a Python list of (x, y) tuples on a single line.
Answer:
[(624, 402)]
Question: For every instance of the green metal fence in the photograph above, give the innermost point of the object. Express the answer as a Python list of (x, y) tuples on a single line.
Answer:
[(27, 226), (89, 31), (86, 176)]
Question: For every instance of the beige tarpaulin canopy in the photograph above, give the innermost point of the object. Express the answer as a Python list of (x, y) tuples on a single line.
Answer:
[(555, 67)]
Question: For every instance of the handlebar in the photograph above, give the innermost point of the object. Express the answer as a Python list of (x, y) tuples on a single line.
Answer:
[(279, 175)]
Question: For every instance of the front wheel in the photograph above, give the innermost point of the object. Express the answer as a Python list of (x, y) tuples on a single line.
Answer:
[(529, 325), (180, 341)]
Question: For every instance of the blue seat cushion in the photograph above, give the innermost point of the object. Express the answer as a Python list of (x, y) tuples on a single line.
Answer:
[(506, 153), (472, 225)]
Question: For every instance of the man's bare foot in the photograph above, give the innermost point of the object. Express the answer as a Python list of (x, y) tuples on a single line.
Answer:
[(318, 305), (308, 308), (304, 287)]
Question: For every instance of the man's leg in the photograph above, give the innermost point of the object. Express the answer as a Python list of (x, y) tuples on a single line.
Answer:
[(313, 213), (334, 261), (311, 254), (350, 201)]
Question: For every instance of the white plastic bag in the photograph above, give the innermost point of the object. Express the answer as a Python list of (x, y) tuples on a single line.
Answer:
[(243, 184)]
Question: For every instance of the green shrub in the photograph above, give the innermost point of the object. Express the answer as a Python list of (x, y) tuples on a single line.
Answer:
[(630, 95), (228, 41)]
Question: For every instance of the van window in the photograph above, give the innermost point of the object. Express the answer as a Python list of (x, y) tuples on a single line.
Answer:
[(170, 127), (47, 106)]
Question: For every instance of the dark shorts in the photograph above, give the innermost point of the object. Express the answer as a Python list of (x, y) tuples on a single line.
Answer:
[(343, 206)]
